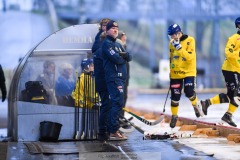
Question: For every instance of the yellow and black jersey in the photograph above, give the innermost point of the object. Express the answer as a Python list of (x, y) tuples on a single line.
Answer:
[(232, 53), (84, 93), (183, 61)]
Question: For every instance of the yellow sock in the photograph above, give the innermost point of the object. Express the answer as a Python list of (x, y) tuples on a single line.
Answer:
[(194, 102), (174, 110), (215, 99), (231, 108)]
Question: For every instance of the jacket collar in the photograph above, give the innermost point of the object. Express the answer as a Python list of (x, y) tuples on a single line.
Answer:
[(111, 38), (184, 36)]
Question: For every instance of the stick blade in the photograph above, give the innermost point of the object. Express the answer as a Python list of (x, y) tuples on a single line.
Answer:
[(158, 120)]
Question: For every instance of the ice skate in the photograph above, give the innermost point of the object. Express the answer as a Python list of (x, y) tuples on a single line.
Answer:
[(173, 121), (227, 117), (205, 104)]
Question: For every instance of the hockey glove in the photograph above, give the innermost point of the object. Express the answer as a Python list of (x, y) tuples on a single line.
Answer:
[(177, 44)]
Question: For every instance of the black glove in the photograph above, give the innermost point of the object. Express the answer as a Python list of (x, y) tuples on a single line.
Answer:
[(124, 55), (4, 91)]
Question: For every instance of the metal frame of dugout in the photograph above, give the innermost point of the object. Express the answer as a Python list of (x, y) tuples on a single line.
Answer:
[(66, 47)]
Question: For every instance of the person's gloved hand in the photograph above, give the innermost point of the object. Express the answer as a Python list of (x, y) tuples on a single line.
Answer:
[(176, 44), (124, 55), (3, 97)]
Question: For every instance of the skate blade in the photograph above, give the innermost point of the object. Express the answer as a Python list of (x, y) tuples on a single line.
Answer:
[(223, 123)]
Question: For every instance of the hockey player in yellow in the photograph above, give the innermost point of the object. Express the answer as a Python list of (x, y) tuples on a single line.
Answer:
[(230, 70), (84, 93), (182, 70)]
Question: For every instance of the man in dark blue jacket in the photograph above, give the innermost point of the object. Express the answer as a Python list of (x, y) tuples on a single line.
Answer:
[(114, 63), (101, 86), (2, 84)]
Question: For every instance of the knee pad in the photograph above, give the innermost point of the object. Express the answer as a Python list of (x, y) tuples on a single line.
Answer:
[(190, 94), (233, 102), (191, 98), (175, 96), (223, 98), (174, 103)]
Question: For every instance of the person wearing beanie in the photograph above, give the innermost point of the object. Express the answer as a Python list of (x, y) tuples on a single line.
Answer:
[(112, 24), (114, 63)]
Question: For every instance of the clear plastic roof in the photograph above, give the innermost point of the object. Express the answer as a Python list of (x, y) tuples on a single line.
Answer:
[(55, 63)]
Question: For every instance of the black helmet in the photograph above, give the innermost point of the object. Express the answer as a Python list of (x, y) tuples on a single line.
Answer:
[(237, 22)]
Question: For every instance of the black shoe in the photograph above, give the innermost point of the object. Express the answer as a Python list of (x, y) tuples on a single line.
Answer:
[(205, 104), (227, 117), (103, 136), (173, 121)]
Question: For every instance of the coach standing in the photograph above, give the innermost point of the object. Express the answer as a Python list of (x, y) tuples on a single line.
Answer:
[(114, 62), (2, 84)]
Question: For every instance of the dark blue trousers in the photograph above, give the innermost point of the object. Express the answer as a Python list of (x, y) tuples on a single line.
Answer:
[(116, 92), (104, 111)]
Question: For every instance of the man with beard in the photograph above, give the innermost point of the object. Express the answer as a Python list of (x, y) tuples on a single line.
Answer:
[(114, 63)]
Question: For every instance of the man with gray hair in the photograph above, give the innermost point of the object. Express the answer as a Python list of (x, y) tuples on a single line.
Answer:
[(122, 39), (65, 84)]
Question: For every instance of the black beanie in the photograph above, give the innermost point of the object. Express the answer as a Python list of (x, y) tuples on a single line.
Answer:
[(111, 24)]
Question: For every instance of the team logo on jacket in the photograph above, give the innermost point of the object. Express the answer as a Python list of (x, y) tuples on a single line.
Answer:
[(115, 24), (112, 52), (120, 88)]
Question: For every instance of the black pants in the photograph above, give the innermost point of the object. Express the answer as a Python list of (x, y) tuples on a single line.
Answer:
[(232, 79), (176, 86)]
